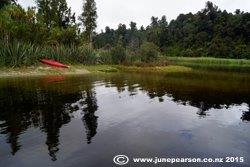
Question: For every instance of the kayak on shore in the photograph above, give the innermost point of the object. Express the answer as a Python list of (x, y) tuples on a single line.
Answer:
[(53, 63)]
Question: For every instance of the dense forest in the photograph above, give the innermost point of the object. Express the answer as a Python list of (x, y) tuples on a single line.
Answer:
[(52, 30), (209, 32)]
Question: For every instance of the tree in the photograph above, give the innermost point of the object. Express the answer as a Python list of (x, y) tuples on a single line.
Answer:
[(133, 26), (54, 13), (88, 18), (122, 34), (118, 53), (209, 32), (149, 52), (3, 3), (18, 24), (154, 21), (6, 2), (133, 36)]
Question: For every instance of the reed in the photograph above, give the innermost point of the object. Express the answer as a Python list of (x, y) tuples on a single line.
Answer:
[(211, 63)]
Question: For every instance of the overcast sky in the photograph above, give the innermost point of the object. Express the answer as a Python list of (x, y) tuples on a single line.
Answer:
[(113, 12)]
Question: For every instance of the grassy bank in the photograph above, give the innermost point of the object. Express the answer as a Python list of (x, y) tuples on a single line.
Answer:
[(86, 69), (41, 71), (20, 59), (211, 63), (156, 69), (19, 55)]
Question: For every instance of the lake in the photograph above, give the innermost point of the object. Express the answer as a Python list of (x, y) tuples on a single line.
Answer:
[(87, 120)]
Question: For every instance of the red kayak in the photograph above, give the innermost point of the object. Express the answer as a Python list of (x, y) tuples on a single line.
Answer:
[(53, 63)]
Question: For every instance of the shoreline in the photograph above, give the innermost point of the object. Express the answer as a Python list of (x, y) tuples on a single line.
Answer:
[(37, 71), (43, 70)]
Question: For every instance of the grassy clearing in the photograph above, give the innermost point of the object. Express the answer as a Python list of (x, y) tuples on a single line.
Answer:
[(157, 69), (85, 69), (40, 71), (211, 63)]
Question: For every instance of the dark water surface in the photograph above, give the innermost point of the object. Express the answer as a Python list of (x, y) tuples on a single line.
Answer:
[(87, 120)]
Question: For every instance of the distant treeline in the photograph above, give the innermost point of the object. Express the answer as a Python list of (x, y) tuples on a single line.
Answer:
[(209, 32), (51, 29)]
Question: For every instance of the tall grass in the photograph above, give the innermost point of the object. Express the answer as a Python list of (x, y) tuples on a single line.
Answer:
[(212, 63), (17, 54)]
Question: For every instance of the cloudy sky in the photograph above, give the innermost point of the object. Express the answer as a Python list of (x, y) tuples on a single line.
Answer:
[(113, 12)]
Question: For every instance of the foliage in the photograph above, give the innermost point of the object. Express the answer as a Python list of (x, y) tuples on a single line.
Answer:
[(220, 47), (118, 54), (242, 51), (149, 52), (209, 32), (64, 36), (88, 18), (211, 63), (104, 56), (29, 34), (16, 24), (89, 55), (6, 2), (54, 13), (17, 54)]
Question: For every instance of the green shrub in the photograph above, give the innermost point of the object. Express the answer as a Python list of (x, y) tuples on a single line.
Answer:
[(220, 48), (104, 56), (133, 57), (242, 51), (187, 53), (149, 52), (62, 36), (118, 54), (193, 52), (173, 51)]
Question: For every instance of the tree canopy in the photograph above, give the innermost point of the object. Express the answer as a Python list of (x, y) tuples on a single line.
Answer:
[(88, 18), (54, 13), (209, 32)]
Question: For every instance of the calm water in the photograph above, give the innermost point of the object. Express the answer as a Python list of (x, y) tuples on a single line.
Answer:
[(87, 120)]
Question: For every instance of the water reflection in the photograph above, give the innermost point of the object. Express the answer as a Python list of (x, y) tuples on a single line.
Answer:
[(35, 103), (202, 110), (87, 105), (246, 116)]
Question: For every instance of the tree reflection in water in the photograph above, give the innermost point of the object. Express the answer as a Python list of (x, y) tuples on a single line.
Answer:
[(246, 115), (202, 110), (87, 105), (52, 123), (23, 108), (35, 105), (40, 109)]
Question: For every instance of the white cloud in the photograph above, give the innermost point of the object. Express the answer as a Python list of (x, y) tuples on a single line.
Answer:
[(113, 12)]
